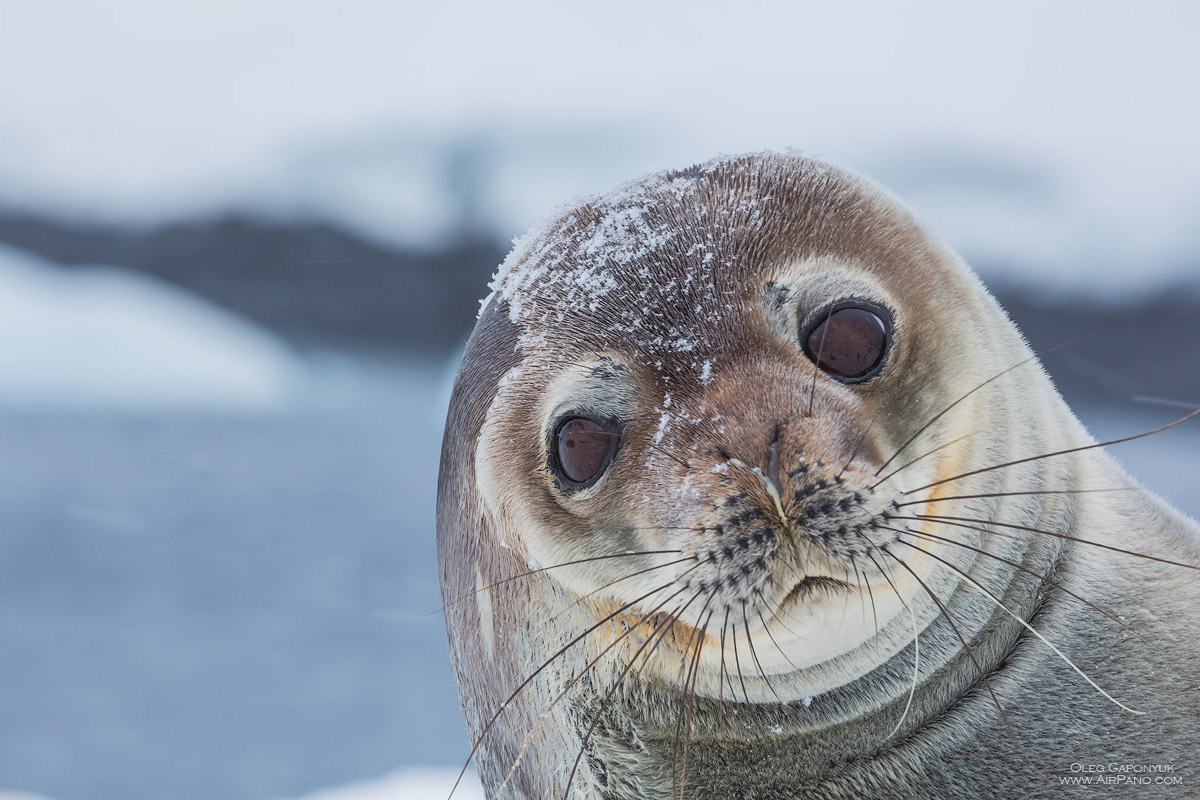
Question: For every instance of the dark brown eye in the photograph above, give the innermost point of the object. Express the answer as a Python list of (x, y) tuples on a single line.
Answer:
[(584, 447), (849, 340)]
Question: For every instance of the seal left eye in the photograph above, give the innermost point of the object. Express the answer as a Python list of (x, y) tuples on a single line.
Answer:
[(849, 340), (583, 448)]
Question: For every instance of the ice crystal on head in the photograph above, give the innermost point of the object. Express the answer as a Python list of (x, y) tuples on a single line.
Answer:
[(664, 422), (483, 304), (683, 345), (642, 263), (623, 235), (609, 231)]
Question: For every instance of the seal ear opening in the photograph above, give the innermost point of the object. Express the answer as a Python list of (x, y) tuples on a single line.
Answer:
[(849, 340)]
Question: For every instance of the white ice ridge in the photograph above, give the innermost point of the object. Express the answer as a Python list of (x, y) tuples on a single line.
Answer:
[(411, 783), (103, 337)]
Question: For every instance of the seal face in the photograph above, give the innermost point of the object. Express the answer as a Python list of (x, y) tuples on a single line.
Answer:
[(747, 491)]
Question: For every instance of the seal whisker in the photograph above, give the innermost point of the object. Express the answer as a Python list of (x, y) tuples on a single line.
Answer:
[(812, 393), (912, 689), (683, 463), (692, 528), (1093, 446), (690, 693), (1017, 566), (858, 581), (608, 696), (725, 676), (571, 684), (955, 520), (862, 437), (987, 495), (529, 679), (970, 654), (771, 636), (908, 464), (763, 673), (778, 613), (846, 599), (1025, 624), (612, 583), (685, 663), (737, 662), (540, 570), (995, 377)]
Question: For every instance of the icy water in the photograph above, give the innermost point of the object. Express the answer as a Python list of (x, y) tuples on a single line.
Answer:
[(236, 607)]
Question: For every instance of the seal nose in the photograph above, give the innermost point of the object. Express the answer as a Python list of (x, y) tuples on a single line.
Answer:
[(771, 478), (773, 468)]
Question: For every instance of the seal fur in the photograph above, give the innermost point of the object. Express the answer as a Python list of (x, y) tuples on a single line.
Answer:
[(673, 304)]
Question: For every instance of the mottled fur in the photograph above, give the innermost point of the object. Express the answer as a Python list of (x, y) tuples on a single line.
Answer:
[(673, 304)]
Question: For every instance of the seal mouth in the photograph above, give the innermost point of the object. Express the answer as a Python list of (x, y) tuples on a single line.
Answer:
[(811, 585)]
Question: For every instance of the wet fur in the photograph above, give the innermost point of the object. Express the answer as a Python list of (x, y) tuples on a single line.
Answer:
[(726, 257)]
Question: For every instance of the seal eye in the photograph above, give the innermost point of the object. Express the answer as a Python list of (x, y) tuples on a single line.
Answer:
[(583, 448), (848, 340)]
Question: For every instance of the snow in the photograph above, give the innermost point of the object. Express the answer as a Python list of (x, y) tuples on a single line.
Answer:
[(421, 783), (414, 783), (1063, 148), (110, 338), (582, 254)]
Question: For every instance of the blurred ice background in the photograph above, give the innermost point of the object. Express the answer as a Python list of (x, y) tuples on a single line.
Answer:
[(242, 242)]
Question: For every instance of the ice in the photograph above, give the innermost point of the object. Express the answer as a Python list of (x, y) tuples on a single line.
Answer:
[(420, 783), (111, 338)]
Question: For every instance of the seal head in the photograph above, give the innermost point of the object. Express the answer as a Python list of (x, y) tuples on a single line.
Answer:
[(688, 482)]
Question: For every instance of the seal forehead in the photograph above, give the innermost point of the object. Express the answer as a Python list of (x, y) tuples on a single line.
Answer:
[(658, 266)]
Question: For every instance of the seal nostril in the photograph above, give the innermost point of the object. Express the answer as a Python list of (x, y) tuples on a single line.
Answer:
[(773, 468)]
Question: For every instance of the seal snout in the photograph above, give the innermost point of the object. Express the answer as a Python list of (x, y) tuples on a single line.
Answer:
[(789, 531)]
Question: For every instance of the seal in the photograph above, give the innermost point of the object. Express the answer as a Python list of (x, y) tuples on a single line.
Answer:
[(749, 489)]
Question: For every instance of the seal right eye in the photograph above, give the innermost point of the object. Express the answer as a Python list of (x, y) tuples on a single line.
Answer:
[(583, 449), (849, 340)]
